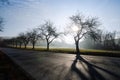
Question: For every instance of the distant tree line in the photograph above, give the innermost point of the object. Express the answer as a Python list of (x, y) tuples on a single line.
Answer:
[(108, 41)]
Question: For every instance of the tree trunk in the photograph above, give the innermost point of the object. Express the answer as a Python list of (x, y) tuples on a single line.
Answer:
[(13, 44), (47, 46), (16, 45), (33, 45), (20, 45), (25, 46), (77, 48)]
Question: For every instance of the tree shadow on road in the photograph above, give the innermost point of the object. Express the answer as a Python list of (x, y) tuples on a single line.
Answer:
[(91, 69)]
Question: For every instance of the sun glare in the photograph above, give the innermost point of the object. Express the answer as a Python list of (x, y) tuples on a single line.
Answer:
[(75, 28)]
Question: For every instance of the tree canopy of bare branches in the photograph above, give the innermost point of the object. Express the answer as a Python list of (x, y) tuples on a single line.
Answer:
[(109, 40), (81, 26), (25, 38), (48, 32), (33, 37)]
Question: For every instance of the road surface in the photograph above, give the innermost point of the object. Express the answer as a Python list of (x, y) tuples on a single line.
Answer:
[(10, 71), (61, 66)]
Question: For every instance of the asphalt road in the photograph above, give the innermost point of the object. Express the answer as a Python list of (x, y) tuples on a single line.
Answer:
[(10, 71), (61, 66)]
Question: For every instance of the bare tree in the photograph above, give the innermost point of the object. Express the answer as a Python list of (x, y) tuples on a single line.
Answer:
[(18, 41), (12, 42), (25, 38), (48, 32), (21, 39), (118, 43), (109, 40), (5, 42), (80, 27), (15, 39), (33, 35)]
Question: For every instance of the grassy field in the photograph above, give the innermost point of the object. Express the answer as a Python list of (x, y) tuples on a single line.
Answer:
[(72, 51)]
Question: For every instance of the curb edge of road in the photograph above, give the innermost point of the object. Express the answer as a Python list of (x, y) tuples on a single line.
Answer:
[(29, 76)]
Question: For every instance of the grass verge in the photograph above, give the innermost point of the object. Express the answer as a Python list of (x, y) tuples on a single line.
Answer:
[(72, 51)]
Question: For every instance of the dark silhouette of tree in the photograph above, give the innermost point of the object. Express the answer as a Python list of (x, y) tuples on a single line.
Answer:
[(25, 38), (15, 39), (80, 27), (4, 42), (118, 43), (21, 39), (33, 37), (11, 42), (109, 40), (18, 41), (48, 32)]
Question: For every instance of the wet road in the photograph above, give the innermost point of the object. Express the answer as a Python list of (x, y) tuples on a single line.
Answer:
[(61, 66)]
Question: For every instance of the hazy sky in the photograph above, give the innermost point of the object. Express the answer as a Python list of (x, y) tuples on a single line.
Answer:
[(22, 15)]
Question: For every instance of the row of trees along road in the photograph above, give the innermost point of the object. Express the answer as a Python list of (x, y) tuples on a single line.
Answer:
[(46, 31), (79, 28)]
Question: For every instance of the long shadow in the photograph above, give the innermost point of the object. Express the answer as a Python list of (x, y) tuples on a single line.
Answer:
[(91, 70)]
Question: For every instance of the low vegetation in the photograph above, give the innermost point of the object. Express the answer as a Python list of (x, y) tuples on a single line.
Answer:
[(73, 51)]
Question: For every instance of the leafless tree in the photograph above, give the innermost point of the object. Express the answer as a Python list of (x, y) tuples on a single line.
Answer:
[(22, 39), (4, 42), (33, 35), (80, 27), (109, 40), (25, 38), (118, 43), (48, 32), (12, 41), (15, 40), (19, 41)]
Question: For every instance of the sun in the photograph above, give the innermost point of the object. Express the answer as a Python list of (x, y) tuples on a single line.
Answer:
[(75, 28)]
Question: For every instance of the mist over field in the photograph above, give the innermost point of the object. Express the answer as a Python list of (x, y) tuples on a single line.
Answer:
[(85, 44)]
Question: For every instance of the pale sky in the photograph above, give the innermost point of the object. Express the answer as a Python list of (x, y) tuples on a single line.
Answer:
[(22, 15)]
